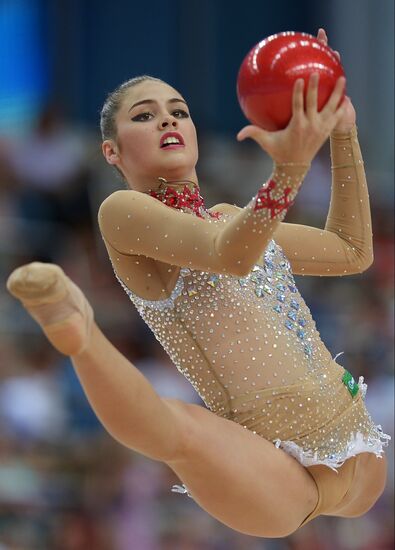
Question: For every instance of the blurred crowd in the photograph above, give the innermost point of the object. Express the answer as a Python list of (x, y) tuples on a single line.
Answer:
[(65, 484)]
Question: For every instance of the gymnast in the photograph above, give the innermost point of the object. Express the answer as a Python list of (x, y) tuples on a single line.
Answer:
[(285, 435)]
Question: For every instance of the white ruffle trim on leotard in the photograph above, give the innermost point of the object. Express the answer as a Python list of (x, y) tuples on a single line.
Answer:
[(307, 458), (358, 444)]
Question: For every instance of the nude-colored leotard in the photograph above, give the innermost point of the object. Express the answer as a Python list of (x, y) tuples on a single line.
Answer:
[(219, 294)]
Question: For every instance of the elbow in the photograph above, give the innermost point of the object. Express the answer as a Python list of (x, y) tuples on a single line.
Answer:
[(228, 262), (242, 272), (363, 263), (235, 268), (367, 258), (240, 269), (366, 264)]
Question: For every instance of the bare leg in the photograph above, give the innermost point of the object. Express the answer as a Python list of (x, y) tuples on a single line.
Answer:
[(239, 478), (242, 479), (120, 395)]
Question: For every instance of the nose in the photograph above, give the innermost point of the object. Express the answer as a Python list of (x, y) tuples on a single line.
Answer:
[(168, 120)]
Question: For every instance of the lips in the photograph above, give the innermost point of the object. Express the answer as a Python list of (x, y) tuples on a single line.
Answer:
[(172, 134)]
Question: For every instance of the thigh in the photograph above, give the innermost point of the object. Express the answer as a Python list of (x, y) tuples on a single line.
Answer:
[(240, 478)]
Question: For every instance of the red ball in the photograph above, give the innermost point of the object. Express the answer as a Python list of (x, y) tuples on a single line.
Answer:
[(267, 75)]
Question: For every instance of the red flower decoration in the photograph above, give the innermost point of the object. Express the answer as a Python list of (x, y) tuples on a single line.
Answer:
[(264, 200), (183, 199)]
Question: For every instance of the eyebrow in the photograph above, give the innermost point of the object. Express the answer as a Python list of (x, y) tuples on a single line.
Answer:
[(172, 100)]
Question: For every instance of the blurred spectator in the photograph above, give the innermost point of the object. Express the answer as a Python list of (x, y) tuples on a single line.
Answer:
[(65, 484), (31, 404), (51, 173)]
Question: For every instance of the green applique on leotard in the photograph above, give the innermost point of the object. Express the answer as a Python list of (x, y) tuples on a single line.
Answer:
[(349, 382)]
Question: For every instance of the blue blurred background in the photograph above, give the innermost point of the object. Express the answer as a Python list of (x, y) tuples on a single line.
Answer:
[(64, 483)]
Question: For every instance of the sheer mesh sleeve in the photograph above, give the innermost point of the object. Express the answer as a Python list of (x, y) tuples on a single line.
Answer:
[(134, 223), (344, 246)]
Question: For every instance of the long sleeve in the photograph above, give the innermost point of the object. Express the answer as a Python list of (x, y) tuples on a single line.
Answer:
[(344, 246), (246, 236), (349, 211), (134, 223)]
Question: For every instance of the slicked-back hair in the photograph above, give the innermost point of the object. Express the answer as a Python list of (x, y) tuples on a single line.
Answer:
[(113, 102)]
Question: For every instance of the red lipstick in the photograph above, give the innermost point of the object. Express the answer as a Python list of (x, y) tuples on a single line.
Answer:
[(172, 145)]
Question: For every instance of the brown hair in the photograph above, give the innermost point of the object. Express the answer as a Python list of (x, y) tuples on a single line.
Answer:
[(113, 102)]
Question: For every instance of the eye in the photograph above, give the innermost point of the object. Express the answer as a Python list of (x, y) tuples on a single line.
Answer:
[(180, 113), (142, 117)]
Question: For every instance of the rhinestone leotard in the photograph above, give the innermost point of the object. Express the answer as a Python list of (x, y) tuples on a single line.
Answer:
[(246, 340)]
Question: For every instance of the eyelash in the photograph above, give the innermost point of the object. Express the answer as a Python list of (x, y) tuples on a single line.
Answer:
[(140, 117)]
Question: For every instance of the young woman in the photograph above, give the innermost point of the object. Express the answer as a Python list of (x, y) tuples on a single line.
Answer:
[(287, 436)]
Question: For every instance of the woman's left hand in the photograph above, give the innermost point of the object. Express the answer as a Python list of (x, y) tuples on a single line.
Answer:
[(348, 120)]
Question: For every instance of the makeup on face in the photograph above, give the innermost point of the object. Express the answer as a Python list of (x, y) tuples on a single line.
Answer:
[(172, 140), (156, 136)]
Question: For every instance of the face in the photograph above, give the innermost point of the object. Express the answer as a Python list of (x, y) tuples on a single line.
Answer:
[(155, 137)]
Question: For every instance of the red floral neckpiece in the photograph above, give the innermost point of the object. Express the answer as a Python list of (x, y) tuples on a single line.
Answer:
[(185, 197)]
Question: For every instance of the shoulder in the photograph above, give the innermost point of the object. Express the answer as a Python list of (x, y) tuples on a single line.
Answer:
[(120, 206), (122, 200), (119, 197)]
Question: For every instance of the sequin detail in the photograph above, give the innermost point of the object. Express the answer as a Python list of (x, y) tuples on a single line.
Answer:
[(253, 353), (183, 199), (269, 280), (276, 206), (159, 305)]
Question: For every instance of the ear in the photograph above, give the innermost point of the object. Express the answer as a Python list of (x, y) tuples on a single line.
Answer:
[(110, 151)]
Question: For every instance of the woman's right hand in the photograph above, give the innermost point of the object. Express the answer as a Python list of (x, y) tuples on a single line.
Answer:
[(307, 130)]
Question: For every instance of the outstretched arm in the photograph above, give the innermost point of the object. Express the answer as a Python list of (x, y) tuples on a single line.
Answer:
[(133, 223)]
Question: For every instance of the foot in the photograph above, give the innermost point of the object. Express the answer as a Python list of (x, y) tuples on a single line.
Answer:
[(56, 303)]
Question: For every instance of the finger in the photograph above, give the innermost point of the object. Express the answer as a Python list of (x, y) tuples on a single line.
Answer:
[(262, 137), (251, 131), (340, 111), (337, 54), (244, 132), (343, 105), (297, 98), (333, 102), (321, 36), (336, 118), (312, 94)]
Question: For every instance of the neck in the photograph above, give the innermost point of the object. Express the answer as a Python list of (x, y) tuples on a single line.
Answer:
[(178, 185), (144, 183), (183, 195)]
